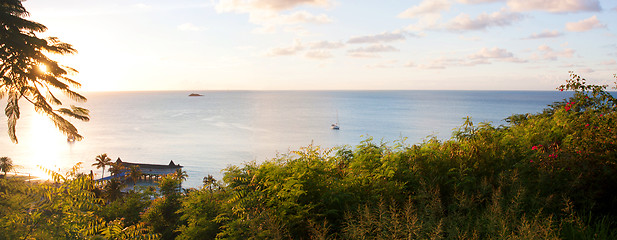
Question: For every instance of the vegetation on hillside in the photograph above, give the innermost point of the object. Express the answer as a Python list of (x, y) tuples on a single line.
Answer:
[(548, 175)]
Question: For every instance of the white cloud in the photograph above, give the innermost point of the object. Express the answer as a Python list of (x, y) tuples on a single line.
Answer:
[(410, 64), (266, 13), (556, 6), (609, 62), (363, 55), (426, 7), (545, 34), (270, 20), (502, 18), (585, 70), (386, 64), (429, 21), (441, 63), (471, 38), (301, 17), (484, 56), (318, 54), (377, 38), (286, 51), (585, 25), (547, 53), (269, 5), (189, 27), (375, 48), (493, 53), (326, 45)]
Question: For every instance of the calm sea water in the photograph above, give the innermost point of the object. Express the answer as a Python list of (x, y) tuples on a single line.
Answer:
[(208, 133)]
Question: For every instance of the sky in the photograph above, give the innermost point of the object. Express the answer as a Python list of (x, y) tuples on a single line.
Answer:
[(146, 45)]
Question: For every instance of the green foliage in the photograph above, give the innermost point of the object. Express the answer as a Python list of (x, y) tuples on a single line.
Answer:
[(510, 181), (201, 211), (162, 215), (65, 209), (128, 207), (548, 175)]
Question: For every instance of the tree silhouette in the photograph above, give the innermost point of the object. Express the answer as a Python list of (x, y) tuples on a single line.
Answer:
[(102, 161), (6, 164), (22, 55)]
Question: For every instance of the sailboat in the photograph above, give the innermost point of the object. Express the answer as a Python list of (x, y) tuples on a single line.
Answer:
[(335, 126)]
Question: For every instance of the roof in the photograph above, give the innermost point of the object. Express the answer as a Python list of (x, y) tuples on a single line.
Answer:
[(171, 165)]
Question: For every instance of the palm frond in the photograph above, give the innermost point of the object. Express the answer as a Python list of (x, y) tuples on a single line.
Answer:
[(12, 113), (76, 112)]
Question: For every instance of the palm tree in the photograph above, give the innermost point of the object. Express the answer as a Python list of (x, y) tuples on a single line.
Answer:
[(102, 161), (22, 55), (180, 175), (6, 164)]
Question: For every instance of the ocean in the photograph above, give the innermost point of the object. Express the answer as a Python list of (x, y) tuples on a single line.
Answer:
[(208, 133)]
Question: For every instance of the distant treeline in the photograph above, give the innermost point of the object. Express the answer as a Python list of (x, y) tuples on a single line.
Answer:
[(549, 175)]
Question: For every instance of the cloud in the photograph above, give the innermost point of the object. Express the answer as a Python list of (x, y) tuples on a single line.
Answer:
[(270, 20), (609, 62), (545, 34), (375, 48), (189, 27), (555, 6), (267, 12), (426, 7), (585, 70), (301, 17), (410, 64), (318, 54), (378, 38), (243, 6), (547, 53), (286, 51), (325, 45), (362, 55), (494, 53), (484, 56), (441, 63), (502, 18), (584, 25), (386, 64), (430, 22)]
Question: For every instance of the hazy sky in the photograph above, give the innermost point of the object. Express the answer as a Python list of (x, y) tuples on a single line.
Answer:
[(129, 45)]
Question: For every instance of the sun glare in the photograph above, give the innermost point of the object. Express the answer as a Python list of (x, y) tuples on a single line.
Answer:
[(43, 67), (49, 142)]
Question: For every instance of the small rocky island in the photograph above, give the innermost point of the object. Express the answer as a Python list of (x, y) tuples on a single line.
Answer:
[(195, 95)]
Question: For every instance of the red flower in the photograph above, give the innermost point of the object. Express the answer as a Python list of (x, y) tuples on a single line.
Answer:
[(587, 125), (530, 161), (567, 107), (534, 148), (561, 89)]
